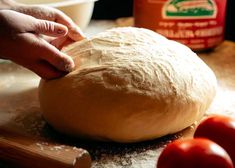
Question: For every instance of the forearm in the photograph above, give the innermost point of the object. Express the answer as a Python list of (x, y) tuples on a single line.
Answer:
[(7, 4)]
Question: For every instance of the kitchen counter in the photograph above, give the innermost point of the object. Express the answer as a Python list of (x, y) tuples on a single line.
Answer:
[(19, 108)]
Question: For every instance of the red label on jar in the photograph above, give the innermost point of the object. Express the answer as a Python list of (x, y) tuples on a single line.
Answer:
[(198, 24)]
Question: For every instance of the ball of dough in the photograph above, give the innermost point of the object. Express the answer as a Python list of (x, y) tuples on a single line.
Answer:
[(129, 84)]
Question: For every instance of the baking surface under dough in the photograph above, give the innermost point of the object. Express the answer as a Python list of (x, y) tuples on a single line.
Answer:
[(129, 85)]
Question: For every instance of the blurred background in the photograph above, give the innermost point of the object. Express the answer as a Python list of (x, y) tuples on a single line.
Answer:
[(81, 11), (113, 9)]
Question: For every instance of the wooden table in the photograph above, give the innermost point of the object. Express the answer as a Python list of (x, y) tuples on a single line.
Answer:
[(20, 112)]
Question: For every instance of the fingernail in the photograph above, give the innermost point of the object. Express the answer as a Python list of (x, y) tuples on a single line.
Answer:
[(69, 67), (60, 31), (66, 66)]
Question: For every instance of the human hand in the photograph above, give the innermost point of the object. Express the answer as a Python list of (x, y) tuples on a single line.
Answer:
[(22, 43), (52, 14)]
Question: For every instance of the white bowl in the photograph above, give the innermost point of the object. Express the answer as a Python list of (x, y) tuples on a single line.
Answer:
[(80, 11)]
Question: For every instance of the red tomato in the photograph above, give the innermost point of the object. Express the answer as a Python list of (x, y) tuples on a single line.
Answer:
[(220, 129), (194, 153)]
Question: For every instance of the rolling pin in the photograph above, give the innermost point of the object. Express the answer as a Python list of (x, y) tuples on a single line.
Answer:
[(27, 152)]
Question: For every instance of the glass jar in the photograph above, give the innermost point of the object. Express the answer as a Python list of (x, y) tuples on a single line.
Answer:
[(199, 24)]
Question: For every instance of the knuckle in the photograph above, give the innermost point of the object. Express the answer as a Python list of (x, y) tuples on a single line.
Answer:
[(39, 27), (49, 27), (45, 26)]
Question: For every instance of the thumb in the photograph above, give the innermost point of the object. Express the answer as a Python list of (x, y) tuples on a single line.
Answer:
[(50, 28)]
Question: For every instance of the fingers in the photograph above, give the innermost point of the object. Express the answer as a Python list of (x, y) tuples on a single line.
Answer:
[(50, 63), (21, 23), (47, 71), (41, 57), (63, 26), (60, 42), (74, 32), (50, 28), (28, 49), (54, 15), (56, 58)]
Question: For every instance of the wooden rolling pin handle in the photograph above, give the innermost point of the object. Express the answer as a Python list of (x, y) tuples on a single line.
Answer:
[(19, 153), (83, 161)]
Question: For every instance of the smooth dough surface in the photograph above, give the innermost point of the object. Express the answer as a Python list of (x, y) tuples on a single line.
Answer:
[(129, 85)]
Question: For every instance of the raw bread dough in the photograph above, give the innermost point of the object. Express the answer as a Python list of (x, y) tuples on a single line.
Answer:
[(130, 84)]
